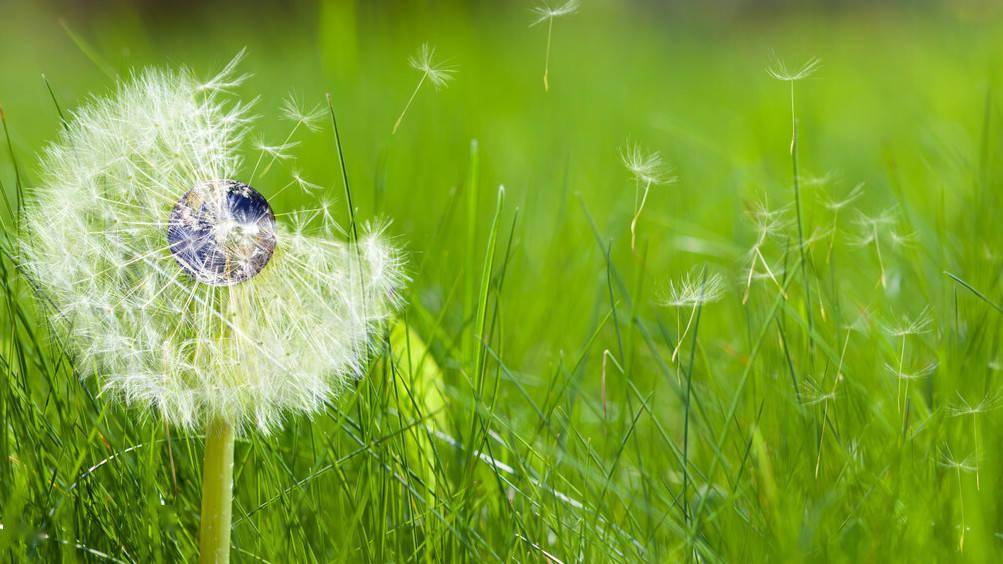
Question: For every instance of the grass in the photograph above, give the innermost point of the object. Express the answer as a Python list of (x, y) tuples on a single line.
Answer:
[(527, 406)]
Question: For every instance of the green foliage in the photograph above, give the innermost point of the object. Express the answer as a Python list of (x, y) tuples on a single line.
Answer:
[(528, 405)]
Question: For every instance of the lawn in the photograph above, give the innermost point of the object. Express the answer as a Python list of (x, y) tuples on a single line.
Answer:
[(798, 358)]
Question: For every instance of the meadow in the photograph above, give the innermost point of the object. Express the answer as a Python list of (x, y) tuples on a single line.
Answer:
[(797, 359)]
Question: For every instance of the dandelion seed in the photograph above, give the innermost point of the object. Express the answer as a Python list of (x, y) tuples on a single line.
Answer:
[(902, 239), (779, 70), (911, 326), (648, 170), (768, 224), (966, 464), (988, 403), (836, 206), (871, 229), (280, 152), (306, 186), (178, 287), (899, 373), (817, 181), (693, 291), (915, 326), (546, 13), (294, 111), (814, 394), (435, 72), (852, 196)]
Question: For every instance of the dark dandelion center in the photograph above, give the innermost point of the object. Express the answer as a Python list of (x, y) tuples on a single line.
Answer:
[(222, 232)]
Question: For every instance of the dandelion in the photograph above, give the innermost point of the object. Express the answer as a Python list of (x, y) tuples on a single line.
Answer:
[(901, 239), (966, 464), (435, 72), (911, 326), (546, 13), (177, 286), (871, 229), (692, 291), (837, 206), (812, 181), (988, 403), (648, 170), (780, 72), (915, 326), (295, 111), (768, 223), (305, 185)]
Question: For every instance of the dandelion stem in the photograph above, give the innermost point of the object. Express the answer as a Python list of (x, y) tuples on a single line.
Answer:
[(637, 214), (881, 262), (961, 499), (975, 437), (682, 337), (546, 64), (899, 399), (832, 239), (217, 493), (410, 100)]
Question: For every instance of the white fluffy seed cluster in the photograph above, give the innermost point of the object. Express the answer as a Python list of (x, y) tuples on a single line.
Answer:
[(95, 244)]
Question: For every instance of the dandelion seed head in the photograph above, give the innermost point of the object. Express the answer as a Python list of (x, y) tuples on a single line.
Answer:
[(174, 284)]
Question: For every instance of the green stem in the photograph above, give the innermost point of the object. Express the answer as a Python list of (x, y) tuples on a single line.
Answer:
[(217, 493)]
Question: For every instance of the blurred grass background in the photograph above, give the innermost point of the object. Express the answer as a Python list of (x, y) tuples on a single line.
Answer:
[(482, 432)]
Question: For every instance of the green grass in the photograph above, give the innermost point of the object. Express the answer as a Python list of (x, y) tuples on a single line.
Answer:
[(482, 432)]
